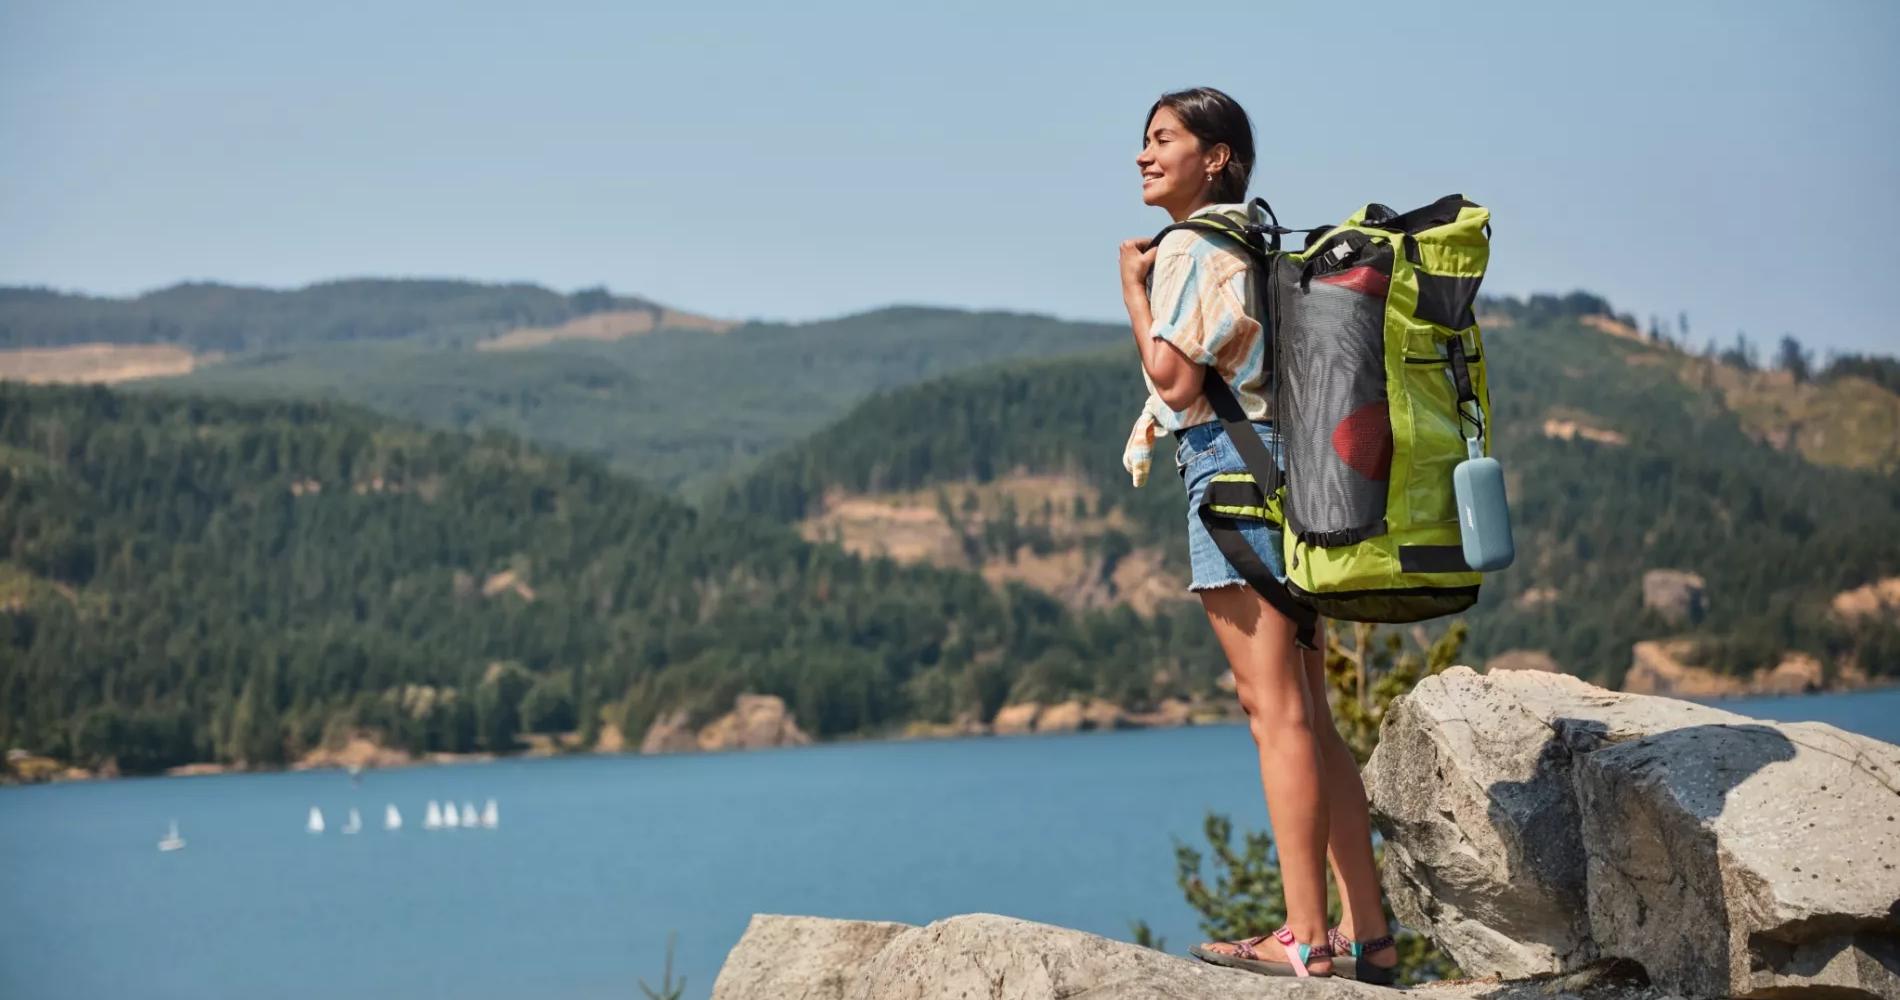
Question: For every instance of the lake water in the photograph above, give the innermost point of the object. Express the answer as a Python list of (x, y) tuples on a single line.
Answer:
[(596, 859)]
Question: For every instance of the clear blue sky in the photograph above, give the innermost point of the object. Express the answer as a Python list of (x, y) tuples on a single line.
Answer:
[(792, 161)]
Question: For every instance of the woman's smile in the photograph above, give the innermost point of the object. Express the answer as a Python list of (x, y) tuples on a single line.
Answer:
[(1177, 169)]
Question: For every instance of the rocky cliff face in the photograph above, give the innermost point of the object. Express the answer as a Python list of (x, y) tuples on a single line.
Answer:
[(1536, 823), (1557, 839)]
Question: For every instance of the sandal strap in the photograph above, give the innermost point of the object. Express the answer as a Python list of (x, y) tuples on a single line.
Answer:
[(1300, 953), (1341, 944), (1244, 947), (1375, 944)]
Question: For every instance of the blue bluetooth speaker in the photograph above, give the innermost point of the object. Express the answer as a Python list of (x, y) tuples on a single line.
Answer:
[(1484, 518)]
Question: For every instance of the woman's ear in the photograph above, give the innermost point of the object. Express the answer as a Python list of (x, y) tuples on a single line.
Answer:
[(1217, 157)]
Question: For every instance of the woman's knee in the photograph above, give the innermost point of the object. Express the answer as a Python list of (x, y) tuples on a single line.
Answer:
[(1274, 717)]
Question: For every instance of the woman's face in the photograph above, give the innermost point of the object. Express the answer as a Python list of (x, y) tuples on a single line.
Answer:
[(1174, 167)]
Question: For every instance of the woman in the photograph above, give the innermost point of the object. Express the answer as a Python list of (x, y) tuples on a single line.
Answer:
[(1196, 155)]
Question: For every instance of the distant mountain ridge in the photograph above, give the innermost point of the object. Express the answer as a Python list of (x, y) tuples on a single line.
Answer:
[(673, 407), (210, 316)]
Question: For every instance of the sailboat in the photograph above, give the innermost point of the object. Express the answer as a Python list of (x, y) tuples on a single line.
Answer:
[(355, 823), (491, 816), (316, 820), (432, 820), (449, 819), (469, 819), (172, 841), (392, 820)]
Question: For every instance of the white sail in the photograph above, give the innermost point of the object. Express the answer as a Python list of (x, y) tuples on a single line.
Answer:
[(316, 820), (469, 818), (172, 841), (491, 815), (355, 823), (432, 820), (392, 820), (449, 819)]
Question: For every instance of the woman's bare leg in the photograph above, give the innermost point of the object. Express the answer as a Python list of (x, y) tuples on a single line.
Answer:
[(1281, 714), (1349, 824)]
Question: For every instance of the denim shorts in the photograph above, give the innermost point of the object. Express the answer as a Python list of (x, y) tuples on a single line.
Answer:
[(1202, 451)]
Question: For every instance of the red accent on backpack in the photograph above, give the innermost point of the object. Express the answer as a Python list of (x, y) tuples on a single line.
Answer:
[(1364, 279), (1364, 439)]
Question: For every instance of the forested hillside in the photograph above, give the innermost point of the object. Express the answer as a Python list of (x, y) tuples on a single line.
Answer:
[(1617, 464), (207, 579), (676, 409)]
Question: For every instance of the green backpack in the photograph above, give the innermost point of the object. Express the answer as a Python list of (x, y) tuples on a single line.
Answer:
[(1378, 379)]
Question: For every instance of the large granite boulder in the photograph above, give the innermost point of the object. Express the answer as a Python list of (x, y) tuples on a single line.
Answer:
[(1752, 859), (811, 958), (1535, 823), (993, 957)]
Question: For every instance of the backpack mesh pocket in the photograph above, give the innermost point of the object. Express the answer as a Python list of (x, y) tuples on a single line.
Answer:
[(1328, 312)]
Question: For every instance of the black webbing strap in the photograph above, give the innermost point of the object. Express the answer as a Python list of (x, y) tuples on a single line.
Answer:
[(1260, 241), (1226, 530), (1240, 430), (1442, 212), (1255, 244), (1461, 380)]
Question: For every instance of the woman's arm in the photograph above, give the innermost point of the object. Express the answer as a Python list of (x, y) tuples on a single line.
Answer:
[(1176, 377)]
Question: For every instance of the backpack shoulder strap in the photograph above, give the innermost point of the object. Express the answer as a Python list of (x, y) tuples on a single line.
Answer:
[(1221, 227), (1225, 533), (1259, 239)]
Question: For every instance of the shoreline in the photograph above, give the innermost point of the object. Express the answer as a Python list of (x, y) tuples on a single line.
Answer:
[(899, 734)]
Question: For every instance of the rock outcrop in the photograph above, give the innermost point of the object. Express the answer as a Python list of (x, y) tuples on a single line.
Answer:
[(670, 733), (814, 958), (1880, 599), (1680, 597), (1555, 838), (1096, 713), (1170, 712), (1522, 659), (984, 955), (1657, 667), (1535, 824), (756, 720), (361, 750), (1013, 719), (1061, 717)]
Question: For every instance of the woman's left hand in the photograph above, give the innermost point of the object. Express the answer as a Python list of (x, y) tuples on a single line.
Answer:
[(1137, 260)]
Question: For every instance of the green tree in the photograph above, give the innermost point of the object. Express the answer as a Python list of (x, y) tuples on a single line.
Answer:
[(548, 707), (498, 706)]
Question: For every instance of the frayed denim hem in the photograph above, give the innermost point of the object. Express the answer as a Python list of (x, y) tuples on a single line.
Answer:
[(1198, 586)]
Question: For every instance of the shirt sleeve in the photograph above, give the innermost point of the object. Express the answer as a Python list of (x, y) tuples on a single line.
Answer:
[(1194, 309)]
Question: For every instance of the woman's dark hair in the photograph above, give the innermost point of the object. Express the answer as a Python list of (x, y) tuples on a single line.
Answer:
[(1214, 118)]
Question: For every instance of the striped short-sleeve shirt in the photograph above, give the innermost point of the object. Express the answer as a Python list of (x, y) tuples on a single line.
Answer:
[(1203, 297)]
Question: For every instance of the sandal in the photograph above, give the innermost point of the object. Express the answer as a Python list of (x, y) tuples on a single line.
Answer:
[(1244, 956), (1347, 953)]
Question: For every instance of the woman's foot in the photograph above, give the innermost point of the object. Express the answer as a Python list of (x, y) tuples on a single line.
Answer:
[(1249, 953), (1369, 961)]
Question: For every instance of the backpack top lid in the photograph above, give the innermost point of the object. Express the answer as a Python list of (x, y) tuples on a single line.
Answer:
[(1442, 212)]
